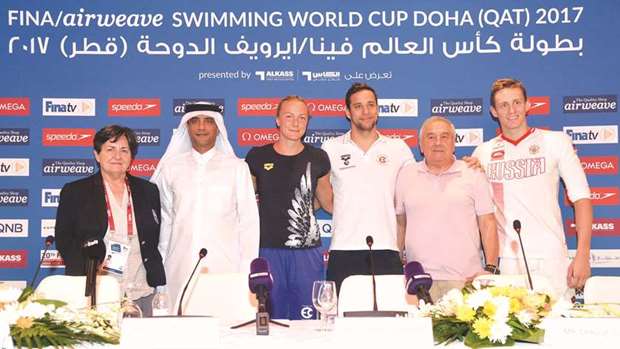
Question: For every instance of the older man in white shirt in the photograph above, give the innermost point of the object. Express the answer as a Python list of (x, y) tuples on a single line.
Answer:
[(207, 200)]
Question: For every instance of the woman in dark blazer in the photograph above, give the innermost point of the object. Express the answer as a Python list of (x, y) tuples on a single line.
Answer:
[(117, 208)]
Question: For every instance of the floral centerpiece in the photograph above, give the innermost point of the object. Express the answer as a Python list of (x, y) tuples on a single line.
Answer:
[(483, 316), (37, 323)]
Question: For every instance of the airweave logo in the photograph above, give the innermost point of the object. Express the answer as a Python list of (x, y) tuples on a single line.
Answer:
[(13, 197), (13, 258), (147, 136), (468, 137), (14, 136), (68, 137), (318, 137), (593, 134), (398, 107), (68, 107), (14, 106), (590, 104), (134, 107), (48, 227), (178, 104), (68, 167), (456, 107), (13, 228), (143, 167), (539, 105), (600, 165), (321, 75), (50, 197), (14, 167), (275, 75), (51, 259)]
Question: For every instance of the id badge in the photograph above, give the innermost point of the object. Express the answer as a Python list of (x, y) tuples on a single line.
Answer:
[(116, 258)]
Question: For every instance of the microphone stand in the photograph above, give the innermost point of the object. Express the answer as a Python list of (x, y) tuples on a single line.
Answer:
[(517, 227), (262, 316), (201, 255)]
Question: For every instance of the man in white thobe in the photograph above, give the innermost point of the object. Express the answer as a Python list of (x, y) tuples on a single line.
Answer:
[(207, 201)]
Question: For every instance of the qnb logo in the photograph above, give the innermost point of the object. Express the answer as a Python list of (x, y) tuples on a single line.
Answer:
[(398, 107), (68, 107), (13, 228), (593, 134), (13, 197), (67, 137), (539, 105), (325, 227), (468, 137), (14, 106), (14, 136), (50, 197), (134, 107), (456, 107), (14, 167), (68, 167), (590, 104), (13, 258)]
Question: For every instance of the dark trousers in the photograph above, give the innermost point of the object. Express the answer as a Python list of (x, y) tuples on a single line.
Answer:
[(343, 264)]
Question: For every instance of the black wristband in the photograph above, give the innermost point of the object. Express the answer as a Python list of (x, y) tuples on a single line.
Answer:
[(492, 269)]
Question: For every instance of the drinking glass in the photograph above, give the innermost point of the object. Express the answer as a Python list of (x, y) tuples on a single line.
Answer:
[(324, 299)]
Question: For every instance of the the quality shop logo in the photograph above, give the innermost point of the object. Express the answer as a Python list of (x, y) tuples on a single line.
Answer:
[(13, 258), (539, 105), (68, 137), (68, 167), (14, 136), (604, 134), (147, 136), (13, 197), (456, 106), (600, 227), (134, 107), (13, 228), (468, 137), (600, 165), (590, 104), (14, 167), (178, 104), (143, 167), (14, 106), (68, 107)]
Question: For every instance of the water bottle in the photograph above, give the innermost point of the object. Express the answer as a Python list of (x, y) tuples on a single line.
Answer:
[(161, 302)]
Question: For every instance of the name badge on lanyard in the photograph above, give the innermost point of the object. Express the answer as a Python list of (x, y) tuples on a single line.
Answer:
[(116, 258)]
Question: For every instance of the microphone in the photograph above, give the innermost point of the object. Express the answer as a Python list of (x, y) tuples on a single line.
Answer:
[(28, 290), (94, 250), (418, 282), (369, 242), (201, 254), (516, 225), (260, 282)]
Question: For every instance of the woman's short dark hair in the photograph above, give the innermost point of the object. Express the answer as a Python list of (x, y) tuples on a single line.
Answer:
[(112, 133)]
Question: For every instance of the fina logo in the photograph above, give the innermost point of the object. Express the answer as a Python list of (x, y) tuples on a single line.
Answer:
[(68, 107), (68, 167), (50, 197), (14, 228), (275, 75), (14, 167), (398, 107), (13, 197), (321, 76), (14, 136), (604, 134)]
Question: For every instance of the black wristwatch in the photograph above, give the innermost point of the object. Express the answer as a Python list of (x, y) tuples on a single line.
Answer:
[(492, 269)]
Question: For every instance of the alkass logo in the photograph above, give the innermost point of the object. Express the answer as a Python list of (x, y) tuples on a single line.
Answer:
[(14, 167), (143, 167), (13, 197), (398, 107), (68, 107), (14, 136), (253, 137), (13, 258), (600, 227), (539, 105), (147, 136), (600, 165), (12, 228), (178, 104), (591, 104), (602, 196), (410, 136), (134, 107), (51, 259), (48, 227), (468, 137), (593, 134), (68, 137), (14, 106)]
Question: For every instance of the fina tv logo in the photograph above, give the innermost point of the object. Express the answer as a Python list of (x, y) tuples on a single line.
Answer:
[(50, 197), (275, 75), (13, 197), (13, 228), (14, 167), (398, 107), (590, 104), (604, 134), (321, 75), (178, 104), (48, 227), (456, 107), (68, 107), (469, 137), (68, 167), (14, 136)]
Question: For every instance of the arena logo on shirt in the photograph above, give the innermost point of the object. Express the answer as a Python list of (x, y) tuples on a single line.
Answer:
[(456, 106), (600, 227), (51, 259), (68, 167), (603, 134), (143, 167), (13, 197), (48, 227), (13, 258), (254, 137), (469, 137), (410, 136), (147, 136), (601, 258), (397, 107), (13, 228), (50, 197), (590, 104), (539, 105), (15, 167), (134, 107), (14, 136), (68, 137), (178, 104), (68, 107), (600, 165), (14, 106)]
